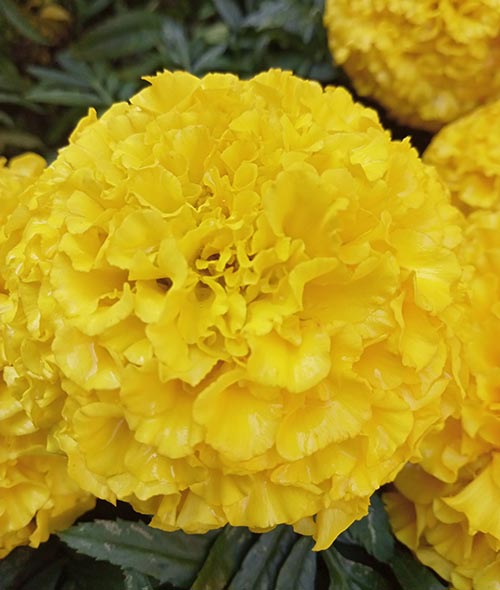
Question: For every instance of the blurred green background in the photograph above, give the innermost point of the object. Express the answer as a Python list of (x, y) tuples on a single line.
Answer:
[(58, 57)]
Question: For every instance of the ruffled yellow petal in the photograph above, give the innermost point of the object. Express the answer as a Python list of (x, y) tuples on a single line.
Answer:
[(278, 363), (332, 521), (238, 423), (478, 500)]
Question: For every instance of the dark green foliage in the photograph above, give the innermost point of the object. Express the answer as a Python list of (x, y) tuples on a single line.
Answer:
[(53, 566), (236, 560), (173, 558), (47, 82), (224, 559), (128, 555), (373, 532)]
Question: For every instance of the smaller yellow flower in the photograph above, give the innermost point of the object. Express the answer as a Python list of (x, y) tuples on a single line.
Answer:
[(36, 494), (466, 154), (15, 176), (427, 62), (473, 425), (446, 508), (451, 527)]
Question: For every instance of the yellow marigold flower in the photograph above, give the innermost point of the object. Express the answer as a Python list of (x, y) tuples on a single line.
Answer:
[(427, 62), (468, 160), (242, 283), (445, 509), (467, 156), (36, 494), (474, 425), (452, 527), (15, 176), (22, 360)]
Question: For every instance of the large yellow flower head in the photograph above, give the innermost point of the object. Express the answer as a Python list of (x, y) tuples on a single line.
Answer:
[(36, 494), (244, 282), (466, 154), (427, 62)]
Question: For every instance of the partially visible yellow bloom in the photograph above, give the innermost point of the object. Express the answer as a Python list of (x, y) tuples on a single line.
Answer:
[(466, 154), (427, 62), (452, 527), (31, 398), (36, 494), (243, 284), (15, 176), (447, 507), (474, 425), (468, 160)]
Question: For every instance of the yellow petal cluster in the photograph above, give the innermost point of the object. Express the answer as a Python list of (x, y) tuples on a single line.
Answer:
[(467, 156), (36, 494), (446, 509), (427, 62), (242, 283), (452, 527)]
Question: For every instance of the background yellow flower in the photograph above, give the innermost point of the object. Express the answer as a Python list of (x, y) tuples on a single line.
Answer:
[(467, 156), (243, 285), (446, 508), (36, 494), (427, 62), (431, 518)]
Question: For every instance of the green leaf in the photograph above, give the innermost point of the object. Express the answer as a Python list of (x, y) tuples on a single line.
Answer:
[(215, 34), (57, 134), (25, 564), (270, 14), (411, 574), (168, 557), (68, 98), (22, 25), (75, 67), (176, 43), (126, 34), (209, 60), (6, 120), (11, 98), (351, 575), (324, 72), (373, 532), (14, 566), (230, 13), (10, 78), (19, 139), (262, 563), (299, 570), (57, 77), (87, 9), (296, 18), (136, 581), (224, 559), (88, 574), (46, 579)]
